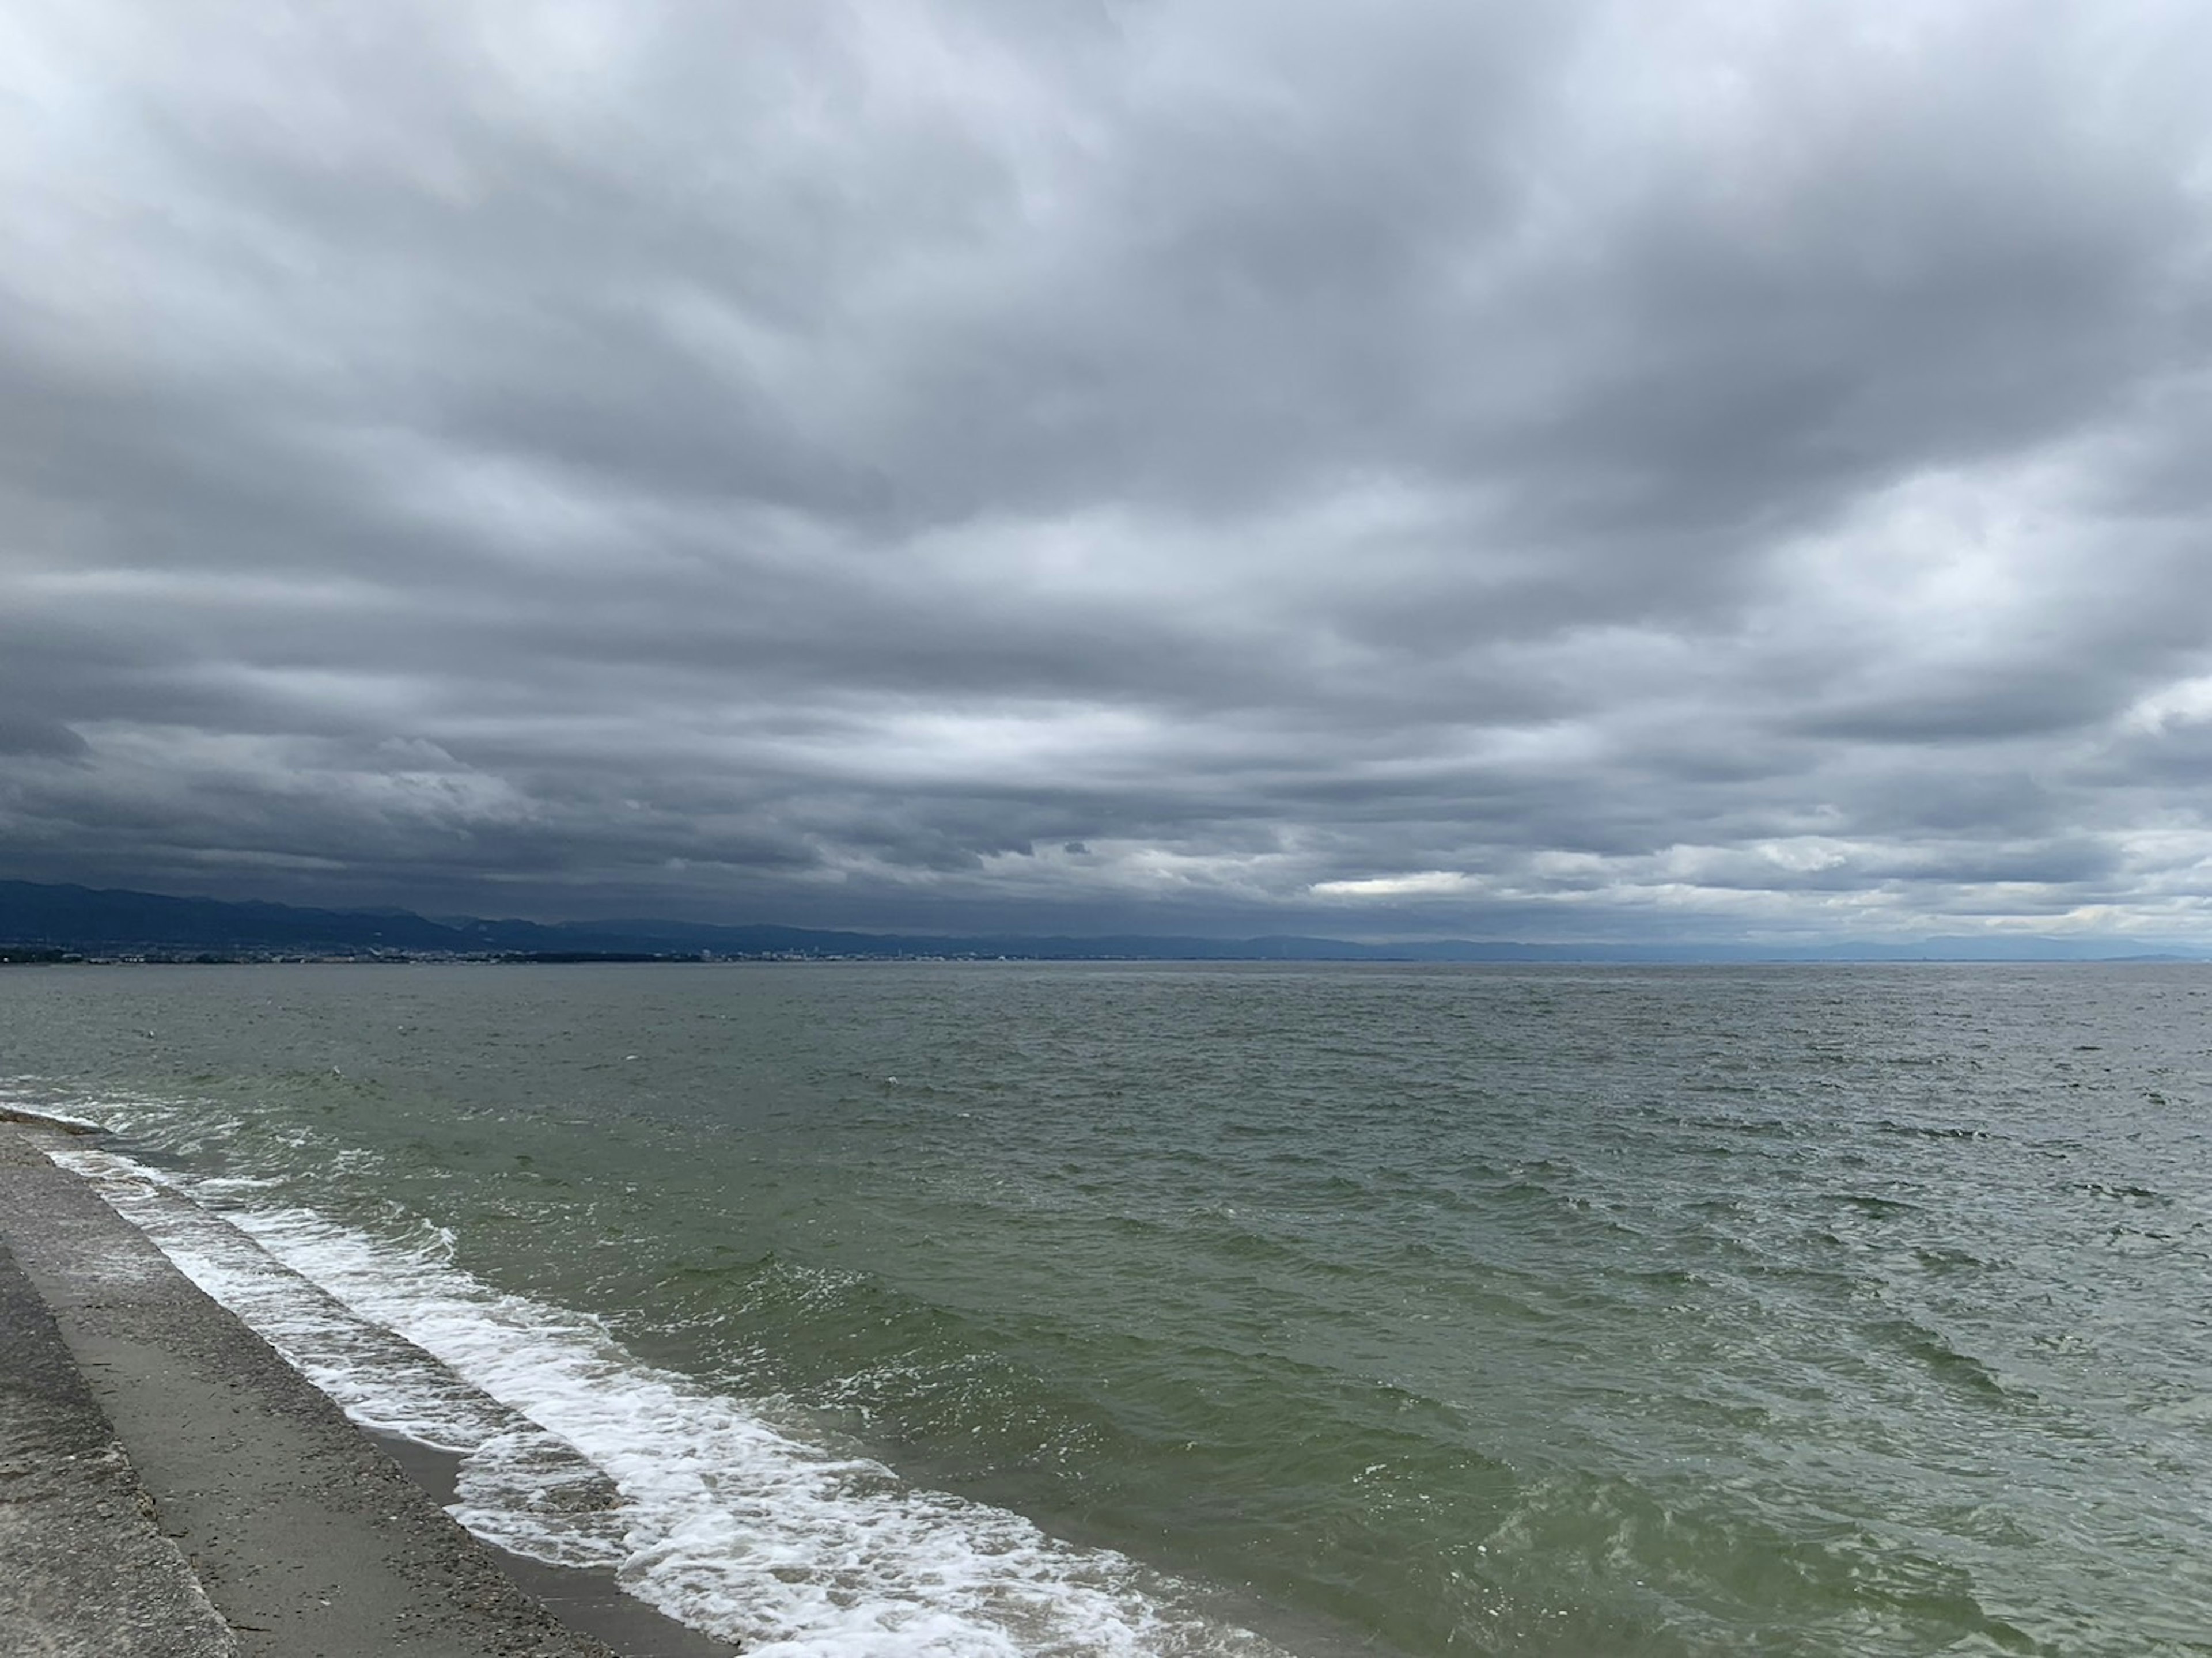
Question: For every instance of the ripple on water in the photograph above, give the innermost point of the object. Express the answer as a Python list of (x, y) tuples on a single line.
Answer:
[(1502, 1312)]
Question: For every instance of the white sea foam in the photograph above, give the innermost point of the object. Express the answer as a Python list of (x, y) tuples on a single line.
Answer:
[(725, 1520), (519, 1485)]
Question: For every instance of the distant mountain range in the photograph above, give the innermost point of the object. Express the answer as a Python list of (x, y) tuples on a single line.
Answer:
[(38, 920)]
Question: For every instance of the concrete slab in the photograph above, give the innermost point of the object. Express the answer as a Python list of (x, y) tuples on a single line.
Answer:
[(84, 1572)]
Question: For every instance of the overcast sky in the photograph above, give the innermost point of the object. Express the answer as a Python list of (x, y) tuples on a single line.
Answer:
[(1548, 471)]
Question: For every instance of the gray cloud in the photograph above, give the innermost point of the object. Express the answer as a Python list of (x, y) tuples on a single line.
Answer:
[(1564, 471), (40, 738)]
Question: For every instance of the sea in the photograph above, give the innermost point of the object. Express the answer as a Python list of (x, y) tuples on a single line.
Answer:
[(957, 1309)]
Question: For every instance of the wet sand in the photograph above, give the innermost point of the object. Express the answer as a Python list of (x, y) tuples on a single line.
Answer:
[(307, 1538)]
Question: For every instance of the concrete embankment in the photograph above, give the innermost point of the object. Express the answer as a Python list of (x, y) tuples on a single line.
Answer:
[(167, 1478), (83, 1571)]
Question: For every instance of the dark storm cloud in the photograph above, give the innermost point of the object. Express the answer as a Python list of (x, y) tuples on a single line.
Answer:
[(1570, 470), (43, 739)]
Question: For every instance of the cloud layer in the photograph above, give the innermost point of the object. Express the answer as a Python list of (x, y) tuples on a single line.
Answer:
[(1553, 471)]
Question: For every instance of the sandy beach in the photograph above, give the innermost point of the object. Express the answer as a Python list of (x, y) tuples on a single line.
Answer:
[(173, 1487)]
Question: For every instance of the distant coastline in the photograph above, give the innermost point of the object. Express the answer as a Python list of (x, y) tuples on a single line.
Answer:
[(47, 925)]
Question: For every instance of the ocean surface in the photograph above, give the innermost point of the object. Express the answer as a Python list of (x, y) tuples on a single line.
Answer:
[(1007, 1308)]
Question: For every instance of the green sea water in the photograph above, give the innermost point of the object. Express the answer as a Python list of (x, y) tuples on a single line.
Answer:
[(1419, 1311)]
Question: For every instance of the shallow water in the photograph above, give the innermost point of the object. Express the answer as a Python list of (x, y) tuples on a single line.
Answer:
[(975, 1308)]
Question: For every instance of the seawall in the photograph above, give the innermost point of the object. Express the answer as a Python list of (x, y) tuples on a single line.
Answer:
[(169, 1486)]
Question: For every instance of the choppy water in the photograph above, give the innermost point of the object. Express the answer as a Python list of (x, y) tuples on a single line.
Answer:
[(1009, 1309)]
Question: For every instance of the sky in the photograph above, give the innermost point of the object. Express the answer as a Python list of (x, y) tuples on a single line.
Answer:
[(1555, 471)]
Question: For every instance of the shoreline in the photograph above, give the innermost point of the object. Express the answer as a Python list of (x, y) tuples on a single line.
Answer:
[(588, 1598), (306, 1533)]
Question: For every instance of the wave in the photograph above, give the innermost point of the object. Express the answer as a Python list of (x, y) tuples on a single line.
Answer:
[(574, 1451)]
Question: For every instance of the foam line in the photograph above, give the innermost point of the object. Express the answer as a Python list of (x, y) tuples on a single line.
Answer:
[(721, 1517)]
